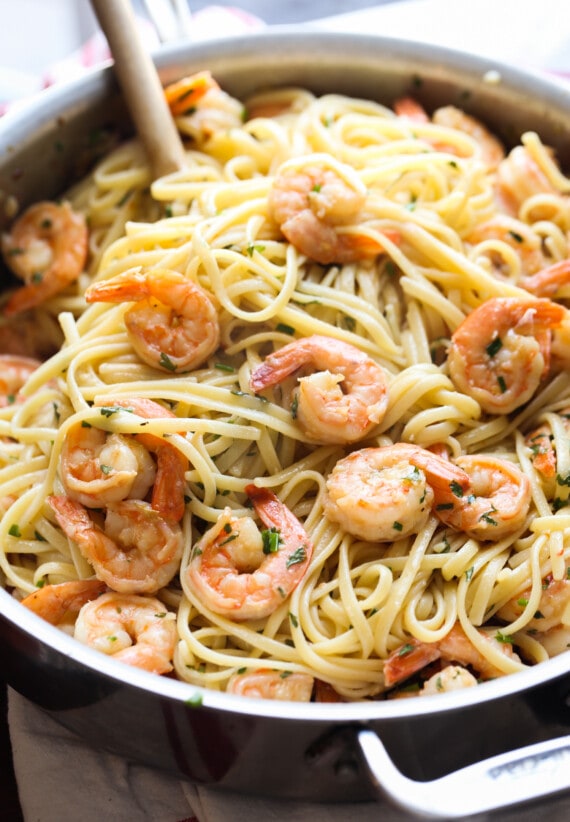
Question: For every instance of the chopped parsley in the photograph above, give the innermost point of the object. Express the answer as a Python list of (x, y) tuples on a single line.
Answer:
[(295, 406), (229, 538), (271, 540), (252, 248), (456, 489), (494, 347), (285, 329), (166, 362), (298, 556), (109, 410)]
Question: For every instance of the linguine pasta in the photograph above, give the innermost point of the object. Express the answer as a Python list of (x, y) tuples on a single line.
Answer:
[(451, 231)]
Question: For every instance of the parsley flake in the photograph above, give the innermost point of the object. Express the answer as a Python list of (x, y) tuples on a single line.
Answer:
[(298, 556)]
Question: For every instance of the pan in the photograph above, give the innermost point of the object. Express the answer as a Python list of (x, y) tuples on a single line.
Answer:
[(508, 739)]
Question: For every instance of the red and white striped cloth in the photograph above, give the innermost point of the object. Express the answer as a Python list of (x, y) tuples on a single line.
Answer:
[(208, 23)]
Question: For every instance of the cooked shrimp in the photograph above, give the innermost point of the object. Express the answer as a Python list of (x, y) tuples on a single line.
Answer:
[(410, 109), (267, 684), (173, 325), (491, 148), (171, 465), (342, 401), (455, 646), (314, 206), (134, 629), (183, 95), (542, 443), (137, 551), (524, 256), (14, 372), (55, 603), (548, 281), (242, 573), (553, 608), (98, 467), (47, 249), (203, 110), (518, 178), (450, 678), (497, 501), (383, 494), (501, 351)]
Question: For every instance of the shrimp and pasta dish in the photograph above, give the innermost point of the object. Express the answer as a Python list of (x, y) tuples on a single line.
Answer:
[(305, 431)]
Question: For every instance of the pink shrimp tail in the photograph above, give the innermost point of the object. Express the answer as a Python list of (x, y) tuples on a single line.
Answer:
[(547, 282), (407, 660)]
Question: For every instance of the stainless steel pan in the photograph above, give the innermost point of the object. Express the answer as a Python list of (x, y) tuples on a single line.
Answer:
[(408, 751)]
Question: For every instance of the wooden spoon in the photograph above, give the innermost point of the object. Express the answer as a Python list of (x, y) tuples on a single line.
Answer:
[(141, 86)]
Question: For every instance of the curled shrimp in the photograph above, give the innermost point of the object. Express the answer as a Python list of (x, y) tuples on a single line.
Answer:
[(173, 324), (314, 205), (47, 249), (543, 444), (550, 622), (518, 178), (496, 503), (501, 351), (553, 610), (242, 573), (202, 109), (137, 630), (383, 494), (490, 147), (135, 550), (267, 684), (548, 281), (98, 467), (455, 646), (55, 603), (492, 150), (491, 236), (449, 679), (183, 95), (14, 372), (342, 401)]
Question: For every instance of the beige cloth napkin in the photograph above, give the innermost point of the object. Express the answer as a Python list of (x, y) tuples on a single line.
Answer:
[(61, 778)]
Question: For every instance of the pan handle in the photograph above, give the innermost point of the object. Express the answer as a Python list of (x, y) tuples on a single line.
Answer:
[(527, 773)]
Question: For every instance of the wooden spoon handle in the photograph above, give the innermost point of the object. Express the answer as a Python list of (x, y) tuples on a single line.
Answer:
[(141, 86)]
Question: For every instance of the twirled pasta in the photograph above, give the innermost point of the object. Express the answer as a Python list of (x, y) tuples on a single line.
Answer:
[(433, 233)]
